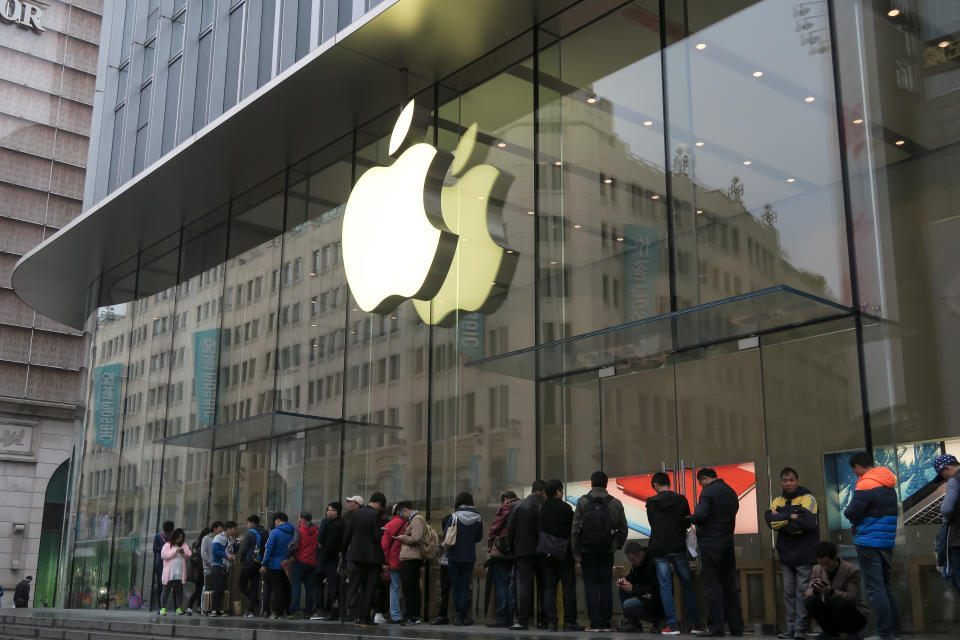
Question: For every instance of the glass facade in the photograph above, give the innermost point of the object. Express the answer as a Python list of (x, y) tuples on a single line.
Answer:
[(667, 166)]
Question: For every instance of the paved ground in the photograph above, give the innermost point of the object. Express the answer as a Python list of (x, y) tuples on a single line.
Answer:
[(73, 624)]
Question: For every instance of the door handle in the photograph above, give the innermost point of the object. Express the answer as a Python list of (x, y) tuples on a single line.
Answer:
[(683, 479)]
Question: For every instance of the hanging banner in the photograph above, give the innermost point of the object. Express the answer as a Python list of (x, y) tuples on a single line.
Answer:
[(206, 349), (107, 387), (470, 336), (641, 257)]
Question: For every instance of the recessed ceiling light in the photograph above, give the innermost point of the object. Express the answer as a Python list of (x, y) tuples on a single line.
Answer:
[(619, 239), (313, 325), (591, 100), (809, 99), (577, 226), (509, 250), (747, 163), (607, 180), (757, 74), (791, 179), (943, 44), (893, 13), (899, 142), (501, 144), (479, 197), (648, 123), (699, 143), (553, 262), (858, 121), (699, 212), (701, 46), (530, 213), (654, 197), (557, 163)]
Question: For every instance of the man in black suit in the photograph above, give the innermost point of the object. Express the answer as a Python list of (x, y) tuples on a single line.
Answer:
[(362, 539)]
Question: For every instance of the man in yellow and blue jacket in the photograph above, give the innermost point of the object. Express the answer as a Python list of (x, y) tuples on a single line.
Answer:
[(794, 516)]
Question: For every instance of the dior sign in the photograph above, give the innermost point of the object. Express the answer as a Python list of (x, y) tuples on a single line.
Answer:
[(18, 440), (22, 14)]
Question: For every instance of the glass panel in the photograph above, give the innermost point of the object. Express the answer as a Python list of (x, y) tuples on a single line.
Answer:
[(116, 146), (171, 108), (304, 11), (177, 33), (149, 57), (267, 23), (203, 81), (231, 84), (143, 128)]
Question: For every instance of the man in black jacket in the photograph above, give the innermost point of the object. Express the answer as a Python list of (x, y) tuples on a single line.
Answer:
[(330, 541), (715, 518), (669, 516), (556, 521), (362, 537), (640, 590), (523, 534), (250, 555), (21, 594)]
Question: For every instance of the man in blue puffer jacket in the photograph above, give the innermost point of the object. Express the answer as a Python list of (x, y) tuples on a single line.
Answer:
[(873, 513), (276, 551)]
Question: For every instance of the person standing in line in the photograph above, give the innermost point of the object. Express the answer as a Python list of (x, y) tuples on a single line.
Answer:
[(391, 552), (640, 591), (206, 555), (221, 550), (556, 523), (833, 596), (873, 513), (411, 538), (275, 552), (793, 515), (1, 597), (330, 540), (669, 516), (463, 555), (362, 541), (251, 554), (523, 535), (159, 539), (443, 607), (21, 594), (501, 563), (948, 539), (175, 556), (716, 517), (599, 530), (195, 573), (304, 550)]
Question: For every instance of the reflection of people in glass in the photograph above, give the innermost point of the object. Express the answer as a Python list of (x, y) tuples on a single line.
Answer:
[(873, 513), (948, 540), (833, 597), (793, 515)]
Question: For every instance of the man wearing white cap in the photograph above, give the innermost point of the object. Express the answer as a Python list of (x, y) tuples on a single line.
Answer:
[(948, 540)]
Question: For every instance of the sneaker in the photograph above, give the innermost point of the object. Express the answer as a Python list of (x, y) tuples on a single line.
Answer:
[(163, 612), (295, 616), (179, 612), (189, 612), (519, 627), (318, 617), (273, 616), (669, 631), (699, 631), (438, 620), (379, 619)]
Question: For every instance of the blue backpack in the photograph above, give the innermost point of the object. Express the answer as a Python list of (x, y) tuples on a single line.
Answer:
[(256, 554)]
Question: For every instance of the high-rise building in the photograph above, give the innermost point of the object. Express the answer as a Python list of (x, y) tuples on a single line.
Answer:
[(48, 65), (631, 236)]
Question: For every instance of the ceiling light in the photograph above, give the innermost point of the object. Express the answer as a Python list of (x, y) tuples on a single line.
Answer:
[(858, 121), (313, 273), (899, 142), (509, 250), (701, 46), (757, 74), (893, 13), (501, 144), (791, 179), (607, 180), (699, 212), (479, 197), (747, 163), (699, 143), (654, 197), (648, 123), (557, 163), (577, 226), (553, 262), (809, 99), (530, 213), (944, 44), (313, 325), (591, 100), (620, 239)]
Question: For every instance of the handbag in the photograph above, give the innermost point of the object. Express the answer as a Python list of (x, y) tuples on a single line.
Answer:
[(450, 537), (692, 542), (552, 546)]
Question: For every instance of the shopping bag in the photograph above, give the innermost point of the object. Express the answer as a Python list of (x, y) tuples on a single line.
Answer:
[(692, 542)]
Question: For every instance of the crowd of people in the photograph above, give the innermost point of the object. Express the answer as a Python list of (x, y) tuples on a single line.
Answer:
[(364, 563)]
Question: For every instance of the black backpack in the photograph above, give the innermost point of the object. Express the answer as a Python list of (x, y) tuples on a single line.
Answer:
[(596, 528)]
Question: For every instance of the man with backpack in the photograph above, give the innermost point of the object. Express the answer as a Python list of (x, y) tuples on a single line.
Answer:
[(599, 530), (523, 535), (419, 542), (251, 553)]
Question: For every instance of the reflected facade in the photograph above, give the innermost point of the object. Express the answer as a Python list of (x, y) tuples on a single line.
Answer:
[(687, 179)]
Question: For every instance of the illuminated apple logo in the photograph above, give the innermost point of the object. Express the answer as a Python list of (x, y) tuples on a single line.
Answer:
[(407, 235), (395, 243)]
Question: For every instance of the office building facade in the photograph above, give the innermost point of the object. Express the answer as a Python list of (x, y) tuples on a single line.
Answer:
[(642, 236)]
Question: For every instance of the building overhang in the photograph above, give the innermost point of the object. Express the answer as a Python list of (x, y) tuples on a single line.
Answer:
[(345, 82)]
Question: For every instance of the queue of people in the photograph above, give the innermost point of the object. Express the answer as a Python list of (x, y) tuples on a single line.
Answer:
[(364, 563)]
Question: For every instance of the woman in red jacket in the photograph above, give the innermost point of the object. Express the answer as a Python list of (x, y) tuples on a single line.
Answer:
[(391, 553)]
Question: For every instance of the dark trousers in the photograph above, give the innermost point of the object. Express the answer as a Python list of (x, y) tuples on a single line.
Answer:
[(529, 582), (720, 584), (331, 583), (876, 566), (598, 583), (176, 588), (639, 609), (835, 615), (560, 572), (276, 579), (157, 586), (505, 588), (460, 575), (410, 580), (249, 586), (217, 582), (444, 592), (367, 575), (302, 575), (197, 590)]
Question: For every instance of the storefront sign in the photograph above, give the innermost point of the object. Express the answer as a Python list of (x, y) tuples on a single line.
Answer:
[(470, 336), (22, 14), (206, 350), (107, 390), (641, 268)]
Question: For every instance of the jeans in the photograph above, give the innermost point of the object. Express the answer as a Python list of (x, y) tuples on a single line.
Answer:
[(279, 591), (795, 583), (955, 567), (250, 586), (505, 587), (396, 613), (529, 573), (597, 571), (460, 575), (665, 577), (301, 573), (835, 615), (636, 609), (444, 606), (218, 582), (560, 572), (721, 584), (412, 594), (175, 587), (875, 572)]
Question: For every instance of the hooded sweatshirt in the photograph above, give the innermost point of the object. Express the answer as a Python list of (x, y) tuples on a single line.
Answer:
[(219, 550), (278, 545), (669, 516), (873, 509), (469, 533), (797, 538), (304, 543)]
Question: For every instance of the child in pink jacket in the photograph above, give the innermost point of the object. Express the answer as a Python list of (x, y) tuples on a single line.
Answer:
[(175, 555)]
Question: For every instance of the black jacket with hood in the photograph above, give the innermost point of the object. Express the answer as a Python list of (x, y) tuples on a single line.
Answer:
[(523, 526), (669, 516)]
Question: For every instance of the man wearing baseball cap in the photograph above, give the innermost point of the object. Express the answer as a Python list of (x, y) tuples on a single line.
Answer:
[(948, 539)]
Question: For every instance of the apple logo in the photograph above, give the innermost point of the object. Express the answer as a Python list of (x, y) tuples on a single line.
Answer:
[(394, 240), (483, 265)]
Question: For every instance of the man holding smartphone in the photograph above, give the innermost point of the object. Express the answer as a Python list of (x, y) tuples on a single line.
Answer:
[(833, 597)]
